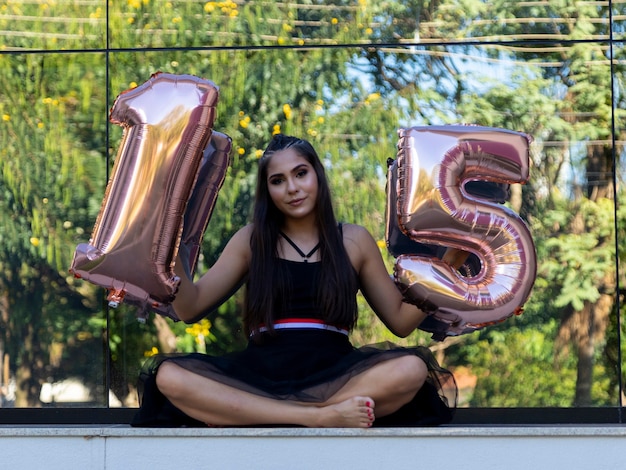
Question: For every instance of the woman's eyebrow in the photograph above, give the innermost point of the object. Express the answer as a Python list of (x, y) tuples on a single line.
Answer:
[(294, 169)]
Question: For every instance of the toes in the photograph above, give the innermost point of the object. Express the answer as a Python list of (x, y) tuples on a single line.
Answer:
[(366, 401)]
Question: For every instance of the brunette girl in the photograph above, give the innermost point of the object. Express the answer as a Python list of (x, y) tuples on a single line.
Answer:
[(302, 270)]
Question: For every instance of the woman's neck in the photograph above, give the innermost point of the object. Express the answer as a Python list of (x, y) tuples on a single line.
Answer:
[(306, 227), (303, 236)]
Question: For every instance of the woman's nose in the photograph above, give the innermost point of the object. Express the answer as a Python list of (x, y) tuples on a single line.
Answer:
[(291, 186)]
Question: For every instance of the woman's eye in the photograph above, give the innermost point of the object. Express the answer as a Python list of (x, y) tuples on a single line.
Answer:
[(276, 181), (302, 173)]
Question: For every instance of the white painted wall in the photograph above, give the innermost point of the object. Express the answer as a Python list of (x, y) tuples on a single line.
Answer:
[(466, 448)]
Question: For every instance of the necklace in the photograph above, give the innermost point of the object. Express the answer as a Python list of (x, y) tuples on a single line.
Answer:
[(305, 257)]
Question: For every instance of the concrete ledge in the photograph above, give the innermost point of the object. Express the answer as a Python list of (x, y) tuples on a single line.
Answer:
[(471, 447)]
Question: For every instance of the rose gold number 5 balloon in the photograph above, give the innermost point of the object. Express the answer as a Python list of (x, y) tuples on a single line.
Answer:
[(431, 207), (167, 124)]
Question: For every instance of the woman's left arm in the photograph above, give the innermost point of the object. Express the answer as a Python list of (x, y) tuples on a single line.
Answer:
[(376, 284)]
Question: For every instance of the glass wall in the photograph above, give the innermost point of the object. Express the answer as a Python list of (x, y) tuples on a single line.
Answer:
[(346, 75)]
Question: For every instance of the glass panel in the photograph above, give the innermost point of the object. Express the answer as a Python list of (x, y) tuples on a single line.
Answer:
[(619, 19), (533, 67), (620, 136), (334, 97), (51, 181), (54, 25), (195, 23)]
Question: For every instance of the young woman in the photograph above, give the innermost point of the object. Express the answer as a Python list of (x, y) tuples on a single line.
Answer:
[(302, 271)]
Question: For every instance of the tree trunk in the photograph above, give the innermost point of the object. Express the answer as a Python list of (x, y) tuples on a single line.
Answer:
[(515, 198), (165, 335), (585, 350), (594, 319), (28, 387)]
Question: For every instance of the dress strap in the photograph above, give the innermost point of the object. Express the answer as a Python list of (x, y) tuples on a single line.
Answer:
[(300, 252)]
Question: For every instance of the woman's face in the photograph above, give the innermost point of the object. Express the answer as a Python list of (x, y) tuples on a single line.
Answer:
[(292, 183)]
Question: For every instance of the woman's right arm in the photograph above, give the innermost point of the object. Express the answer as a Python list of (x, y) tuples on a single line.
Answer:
[(195, 300)]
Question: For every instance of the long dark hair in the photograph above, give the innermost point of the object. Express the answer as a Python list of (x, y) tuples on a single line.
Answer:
[(267, 283)]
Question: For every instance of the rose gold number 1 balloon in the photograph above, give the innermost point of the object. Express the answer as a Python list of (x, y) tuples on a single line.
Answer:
[(167, 124), (431, 207)]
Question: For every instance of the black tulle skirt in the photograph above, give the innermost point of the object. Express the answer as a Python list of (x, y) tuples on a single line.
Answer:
[(300, 365)]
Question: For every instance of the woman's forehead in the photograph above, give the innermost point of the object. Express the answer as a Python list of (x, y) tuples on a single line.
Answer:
[(284, 161)]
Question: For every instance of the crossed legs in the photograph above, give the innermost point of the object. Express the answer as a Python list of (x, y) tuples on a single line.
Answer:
[(383, 388)]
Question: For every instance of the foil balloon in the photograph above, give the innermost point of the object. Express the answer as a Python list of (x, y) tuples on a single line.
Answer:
[(167, 128), (445, 190), (215, 161)]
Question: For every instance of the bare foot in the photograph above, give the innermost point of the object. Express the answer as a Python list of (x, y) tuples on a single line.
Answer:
[(356, 412)]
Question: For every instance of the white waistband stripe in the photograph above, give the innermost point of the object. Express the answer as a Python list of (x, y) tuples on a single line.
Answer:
[(305, 325)]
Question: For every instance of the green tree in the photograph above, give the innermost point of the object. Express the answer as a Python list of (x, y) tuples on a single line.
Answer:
[(49, 185), (525, 101), (346, 75)]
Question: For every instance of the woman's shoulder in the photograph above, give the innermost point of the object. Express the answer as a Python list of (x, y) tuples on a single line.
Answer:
[(245, 231), (354, 232), (358, 243), (241, 238)]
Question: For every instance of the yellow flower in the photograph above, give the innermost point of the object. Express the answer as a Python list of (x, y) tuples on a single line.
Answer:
[(371, 98), (287, 111), (6, 117), (241, 151), (276, 129), (34, 241), (258, 153), (244, 122), (40, 125), (130, 20), (132, 85), (381, 244), (209, 7), (281, 41), (177, 19), (152, 352), (334, 21), (134, 4), (199, 329)]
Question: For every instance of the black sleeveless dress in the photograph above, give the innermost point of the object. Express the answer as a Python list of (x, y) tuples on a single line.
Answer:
[(302, 359)]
